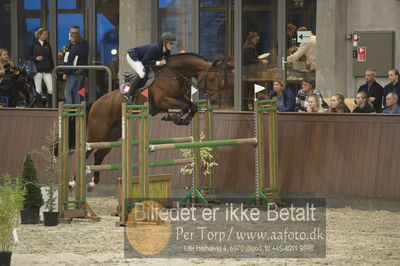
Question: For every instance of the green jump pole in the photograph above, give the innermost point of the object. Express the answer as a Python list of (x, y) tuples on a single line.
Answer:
[(117, 144), (111, 167), (211, 143)]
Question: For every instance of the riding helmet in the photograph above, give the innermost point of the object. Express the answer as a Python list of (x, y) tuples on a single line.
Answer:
[(168, 37)]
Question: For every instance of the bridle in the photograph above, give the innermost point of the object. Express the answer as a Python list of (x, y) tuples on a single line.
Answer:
[(207, 91)]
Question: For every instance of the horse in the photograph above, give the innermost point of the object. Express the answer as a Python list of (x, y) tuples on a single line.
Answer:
[(170, 90)]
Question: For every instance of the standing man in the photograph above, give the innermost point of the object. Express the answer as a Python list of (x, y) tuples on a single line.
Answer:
[(66, 48), (373, 89), (77, 56)]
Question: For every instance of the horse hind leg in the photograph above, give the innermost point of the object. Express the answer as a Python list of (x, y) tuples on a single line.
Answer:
[(98, 159), (72, 183)]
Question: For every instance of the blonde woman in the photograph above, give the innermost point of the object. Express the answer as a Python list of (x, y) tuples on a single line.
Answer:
[(314, 105), (338, 105), (364, 105), (41, 54)]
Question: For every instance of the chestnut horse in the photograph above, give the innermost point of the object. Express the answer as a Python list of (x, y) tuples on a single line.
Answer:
[(170, 90)]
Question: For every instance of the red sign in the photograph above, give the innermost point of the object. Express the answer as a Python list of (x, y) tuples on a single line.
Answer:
[(361, 54)]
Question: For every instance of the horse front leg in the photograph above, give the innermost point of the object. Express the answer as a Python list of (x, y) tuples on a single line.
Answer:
[(171, 103), (193, 110), (98, 159)]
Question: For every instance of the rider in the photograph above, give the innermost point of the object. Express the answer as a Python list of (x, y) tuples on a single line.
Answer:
[(150, 54)]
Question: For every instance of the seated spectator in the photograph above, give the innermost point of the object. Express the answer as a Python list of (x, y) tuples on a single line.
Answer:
[(363, 103), (307, 91), (338, 105), (393, 85), (392, 106), (11, 81), (314, 105), (283, 95), (373, 88)]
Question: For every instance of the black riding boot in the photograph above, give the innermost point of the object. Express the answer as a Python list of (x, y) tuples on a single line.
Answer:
[(135, 82)]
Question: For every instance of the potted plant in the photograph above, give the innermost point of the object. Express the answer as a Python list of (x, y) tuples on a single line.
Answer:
[(33, 197), (50, 217), (11, 201)]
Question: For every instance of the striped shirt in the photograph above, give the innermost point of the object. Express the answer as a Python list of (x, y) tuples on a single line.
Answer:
[(302, 100)]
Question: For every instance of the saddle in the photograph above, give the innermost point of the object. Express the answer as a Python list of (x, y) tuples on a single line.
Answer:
[(131, 78)]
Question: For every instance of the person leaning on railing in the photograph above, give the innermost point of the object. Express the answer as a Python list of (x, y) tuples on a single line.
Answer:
[(284, 96)]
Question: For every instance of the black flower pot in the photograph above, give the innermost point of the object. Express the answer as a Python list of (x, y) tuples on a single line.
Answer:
[(30, 216), (5, 258), (50, 218)]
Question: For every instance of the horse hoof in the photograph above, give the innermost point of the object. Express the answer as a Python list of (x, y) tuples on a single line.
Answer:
[(166, 118), (182, 122), (90, 187), (71, 185)]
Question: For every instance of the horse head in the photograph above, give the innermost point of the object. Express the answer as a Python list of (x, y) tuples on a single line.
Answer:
[(212, 81)]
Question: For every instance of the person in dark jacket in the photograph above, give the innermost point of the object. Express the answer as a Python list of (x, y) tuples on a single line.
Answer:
[(78, 55), (150, 54), (364, 104), (394, 85), (250, 56), (41, 54), (284, 96), (373, 88)]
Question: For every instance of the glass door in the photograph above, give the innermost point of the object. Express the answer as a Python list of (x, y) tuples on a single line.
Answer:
[(216, 41), (259, 49), (107, 43)]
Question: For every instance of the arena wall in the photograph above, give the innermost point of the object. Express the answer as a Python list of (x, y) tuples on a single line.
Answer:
[(318, 153)]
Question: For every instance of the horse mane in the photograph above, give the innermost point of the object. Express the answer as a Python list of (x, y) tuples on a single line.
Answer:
[(189, 54)]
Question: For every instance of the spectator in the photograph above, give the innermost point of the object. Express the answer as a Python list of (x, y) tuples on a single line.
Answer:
[(251, 62), (308, 49), (392, 106), (363, 103), (113, 65), (8, 78), (303, 94), (283, 95), (250, 55), (338, 105), (314, 105), (67, 47), (230, 64), (394, 85), (291, 35), (373, 88), (40, 52), (78, 55)]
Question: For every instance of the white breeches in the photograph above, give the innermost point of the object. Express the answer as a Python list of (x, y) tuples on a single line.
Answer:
[(47, 79), (136, 65)]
